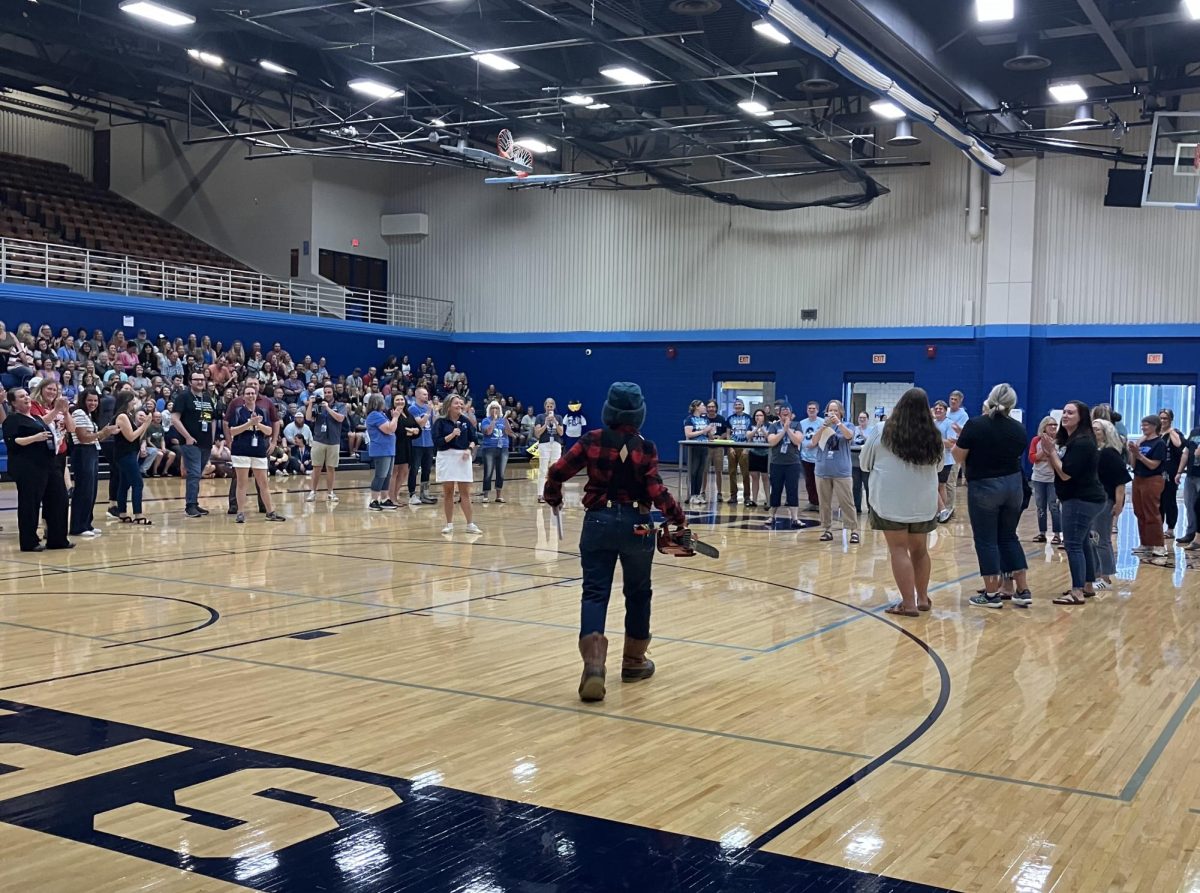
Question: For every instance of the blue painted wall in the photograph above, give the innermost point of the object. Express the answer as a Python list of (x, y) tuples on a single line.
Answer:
[(1047, 365)]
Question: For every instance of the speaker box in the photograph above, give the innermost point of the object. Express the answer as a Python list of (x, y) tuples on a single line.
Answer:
[(1124, 189)]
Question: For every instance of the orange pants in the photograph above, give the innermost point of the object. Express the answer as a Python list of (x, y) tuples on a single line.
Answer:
[(1147, 492)]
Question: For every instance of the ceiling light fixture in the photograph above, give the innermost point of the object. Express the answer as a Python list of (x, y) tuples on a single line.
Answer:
[(496, 61), (374, 89), (779, 122), (535, 145), (904, 134), (437, 122), (156, 12), (769, 31), (626, 76), (1068, 92), (754, 107), (888, 110), (207, 58), (577, 99), (1193, 8), (274, 67), (1084, 117), (994, 10), (597, 106)]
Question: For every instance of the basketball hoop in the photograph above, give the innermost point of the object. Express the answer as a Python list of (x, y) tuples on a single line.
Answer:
[(504, 143), (521, 155)]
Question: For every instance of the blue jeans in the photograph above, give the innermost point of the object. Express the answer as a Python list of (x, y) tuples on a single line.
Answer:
[(85, 461), (994, 506), (495, 461), (383, 473), (193, 464), (1077, 518), (1101, 541), (1191, 501), (1043, 497), (131, 478), (608, 536), (697, 469)]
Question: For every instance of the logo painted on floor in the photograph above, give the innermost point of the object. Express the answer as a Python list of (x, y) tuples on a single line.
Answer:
[(272, 822)]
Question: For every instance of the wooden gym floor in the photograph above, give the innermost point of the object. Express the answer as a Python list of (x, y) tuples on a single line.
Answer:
[(352, 701)]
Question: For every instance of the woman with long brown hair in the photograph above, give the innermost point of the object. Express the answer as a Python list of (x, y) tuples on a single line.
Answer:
[(903, 461)]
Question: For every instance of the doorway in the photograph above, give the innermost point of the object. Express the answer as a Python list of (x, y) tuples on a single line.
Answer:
[(753, 390), (1134, 401), (875, 398)]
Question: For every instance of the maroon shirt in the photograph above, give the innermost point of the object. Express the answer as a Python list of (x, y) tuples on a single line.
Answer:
[(600, 460)]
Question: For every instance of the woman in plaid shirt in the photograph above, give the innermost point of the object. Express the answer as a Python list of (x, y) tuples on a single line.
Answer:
[(623, 482)]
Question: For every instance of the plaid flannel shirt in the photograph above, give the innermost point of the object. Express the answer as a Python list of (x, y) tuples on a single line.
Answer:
[(599, 460)]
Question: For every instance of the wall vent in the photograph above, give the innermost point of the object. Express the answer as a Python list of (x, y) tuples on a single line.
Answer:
[(808, 315)]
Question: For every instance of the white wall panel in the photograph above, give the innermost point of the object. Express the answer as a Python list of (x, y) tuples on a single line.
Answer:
[(33, 127), (610, 261), (1110, 265)]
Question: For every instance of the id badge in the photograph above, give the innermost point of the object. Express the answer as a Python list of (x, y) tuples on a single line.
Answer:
[(254, 441), (783, 449), (324, 428), (204, 427)]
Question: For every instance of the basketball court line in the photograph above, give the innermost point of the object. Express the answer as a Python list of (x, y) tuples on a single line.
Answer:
[(580, 710)]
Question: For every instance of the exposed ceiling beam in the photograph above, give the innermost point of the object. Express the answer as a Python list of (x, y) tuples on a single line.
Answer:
[(1105, 32)]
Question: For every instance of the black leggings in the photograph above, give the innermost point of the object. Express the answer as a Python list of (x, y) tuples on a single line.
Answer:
[(1169, 502), (785, 478)]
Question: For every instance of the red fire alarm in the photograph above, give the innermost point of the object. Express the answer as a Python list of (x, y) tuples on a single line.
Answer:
[(354, 243), (671, 353), (931, 351)]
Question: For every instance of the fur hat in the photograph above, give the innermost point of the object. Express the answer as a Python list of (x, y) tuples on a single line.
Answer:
[(624, 405)]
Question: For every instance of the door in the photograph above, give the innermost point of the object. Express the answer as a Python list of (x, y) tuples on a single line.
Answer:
[(1135, 400)]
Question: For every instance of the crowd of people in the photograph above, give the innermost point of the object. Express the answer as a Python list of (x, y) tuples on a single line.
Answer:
[(197, 409)]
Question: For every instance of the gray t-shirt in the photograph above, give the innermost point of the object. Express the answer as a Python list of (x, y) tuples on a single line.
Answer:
[(833, 459), (326, 429), (785, 452)]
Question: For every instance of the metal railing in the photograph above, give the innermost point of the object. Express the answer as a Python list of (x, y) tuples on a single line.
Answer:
[(65, 266)]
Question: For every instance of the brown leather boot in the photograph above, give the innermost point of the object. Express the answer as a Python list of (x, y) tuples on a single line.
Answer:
[(634, 664), (593, 648)]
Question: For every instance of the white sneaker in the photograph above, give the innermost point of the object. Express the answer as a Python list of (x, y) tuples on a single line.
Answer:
[(332, 497), (96, 532), (471, 528), (414, 500), (311, 497), (1159, 553), (449, 528), (90, 534)]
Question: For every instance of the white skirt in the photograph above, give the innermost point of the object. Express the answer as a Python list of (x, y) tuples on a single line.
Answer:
[(454, 466)]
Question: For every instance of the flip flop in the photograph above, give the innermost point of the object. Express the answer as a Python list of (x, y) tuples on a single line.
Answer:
[(900, 611), (1068, 599), (926, 607)]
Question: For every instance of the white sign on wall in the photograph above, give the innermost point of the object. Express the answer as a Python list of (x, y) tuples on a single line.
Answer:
[(1154, 359), (743, 359), (878, 358)]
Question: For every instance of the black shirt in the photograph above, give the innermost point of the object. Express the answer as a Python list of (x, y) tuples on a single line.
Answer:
[(722, 426), (1112, 472), (34, 455), (442, 428), (1152, 449), (1080, 461), (197, 414), (996, 444), (1170, 466), (1193, 448)]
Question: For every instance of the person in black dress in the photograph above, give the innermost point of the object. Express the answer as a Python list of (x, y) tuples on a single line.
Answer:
[(41, 490)]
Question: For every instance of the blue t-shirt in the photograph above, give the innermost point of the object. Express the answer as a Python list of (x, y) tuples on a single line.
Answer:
[(379, 443), (250, 442), (495, 436), (697, 422), (784, 452), (759, 437), (425, 438), (739, 427), (810, 427), (833, 459), (946, 429)]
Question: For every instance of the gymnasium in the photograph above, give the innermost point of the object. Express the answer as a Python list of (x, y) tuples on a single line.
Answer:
[(346, 344)]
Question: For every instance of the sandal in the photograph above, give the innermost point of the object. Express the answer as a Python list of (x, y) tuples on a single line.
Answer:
[(854, 537), (1087, 594), (928, 606), (1040, 538), (125, 519), (144, 522), (826, 536), (900, 611), (1068, 598)]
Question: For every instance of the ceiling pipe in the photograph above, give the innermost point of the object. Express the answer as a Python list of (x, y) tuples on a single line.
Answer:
[(815, 37)]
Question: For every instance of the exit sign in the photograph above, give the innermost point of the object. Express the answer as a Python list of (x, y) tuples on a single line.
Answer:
[(743, 359), (1154, 359), (878, 358)]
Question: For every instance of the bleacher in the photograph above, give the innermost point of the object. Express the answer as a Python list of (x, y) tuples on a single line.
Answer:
[(42, 201)]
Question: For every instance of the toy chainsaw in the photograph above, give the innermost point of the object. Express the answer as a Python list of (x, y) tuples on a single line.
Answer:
[(683, 543)]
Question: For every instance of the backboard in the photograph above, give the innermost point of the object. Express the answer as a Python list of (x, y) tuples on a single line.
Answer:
[(1173, 172)]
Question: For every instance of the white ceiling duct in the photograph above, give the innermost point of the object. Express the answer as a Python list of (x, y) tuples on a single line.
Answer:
[(815, 37)]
